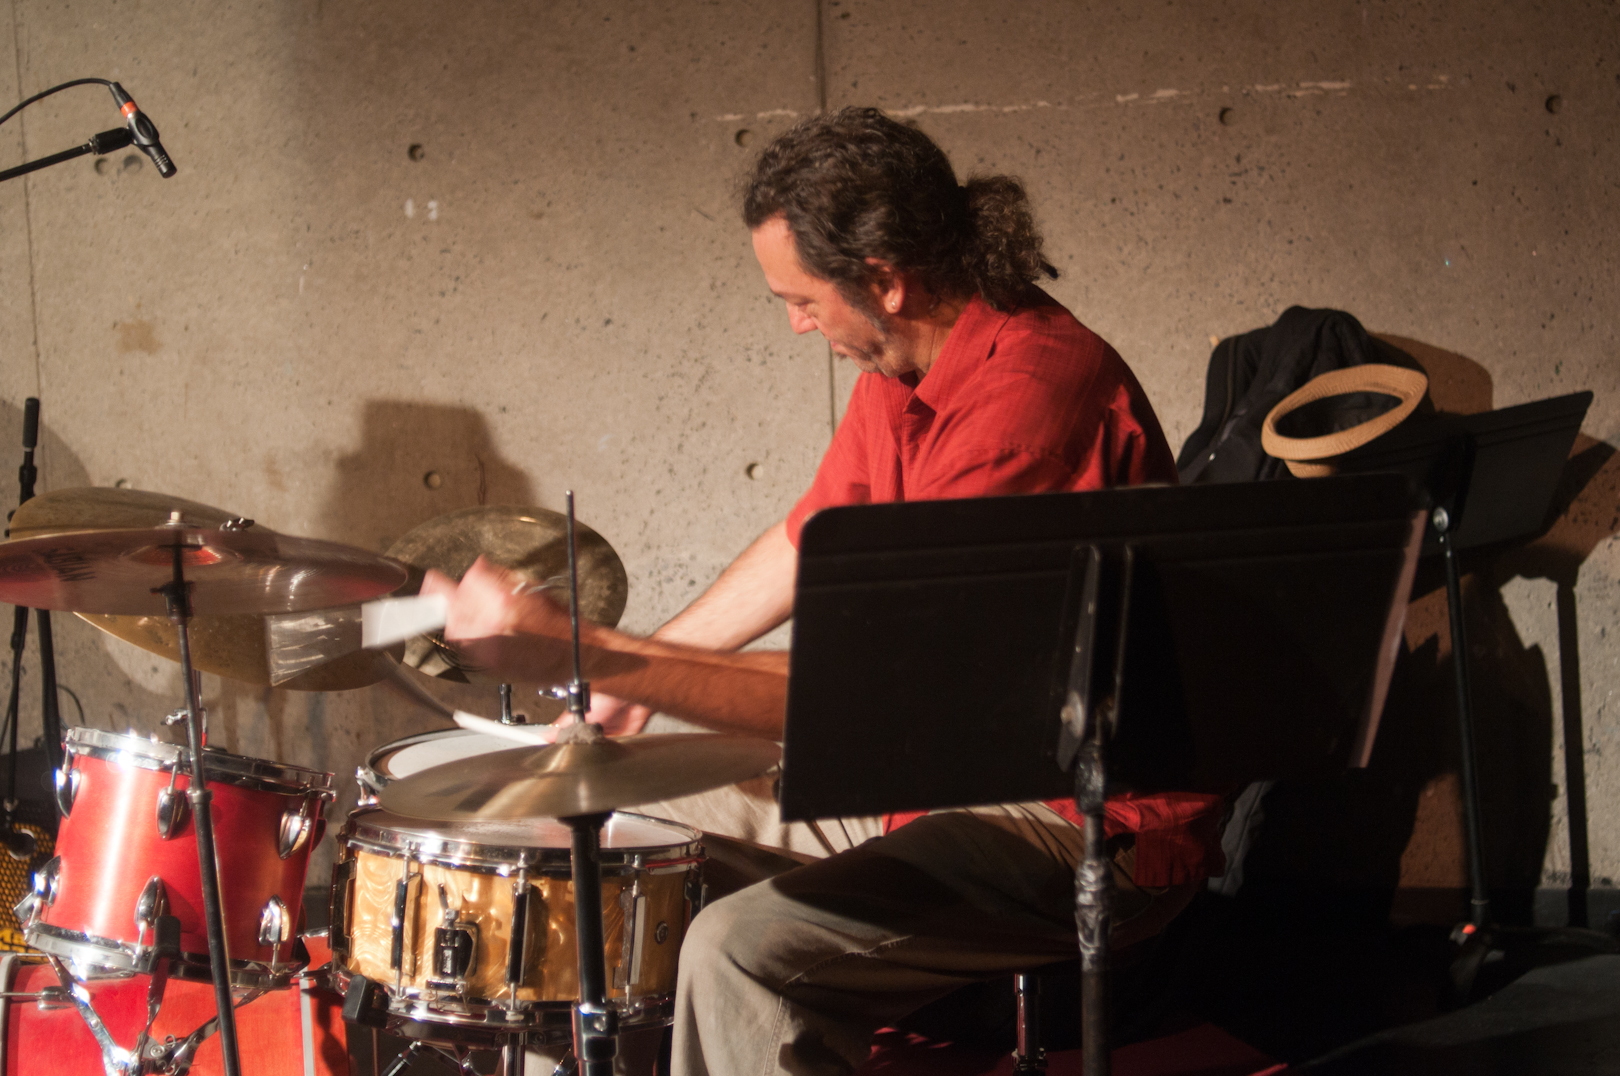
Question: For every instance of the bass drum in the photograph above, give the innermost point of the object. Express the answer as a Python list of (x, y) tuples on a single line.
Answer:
[(296, 1032), (468, 927)]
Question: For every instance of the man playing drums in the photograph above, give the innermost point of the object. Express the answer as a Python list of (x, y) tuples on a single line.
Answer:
[(974, 383)]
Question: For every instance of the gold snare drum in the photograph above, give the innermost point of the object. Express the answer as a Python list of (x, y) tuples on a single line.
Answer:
[(469, 926)]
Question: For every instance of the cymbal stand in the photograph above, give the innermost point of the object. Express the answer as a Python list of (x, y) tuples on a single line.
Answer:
[(596, 1023), (177, 595)]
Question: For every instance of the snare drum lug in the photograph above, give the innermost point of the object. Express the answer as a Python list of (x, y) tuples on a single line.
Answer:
[(338, 911), (295, 826), (697, 893), (634, 905), (67, 786), (517, 953)]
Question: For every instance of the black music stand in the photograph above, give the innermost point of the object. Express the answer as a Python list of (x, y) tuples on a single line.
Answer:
[(953, 653), (1489, 479)]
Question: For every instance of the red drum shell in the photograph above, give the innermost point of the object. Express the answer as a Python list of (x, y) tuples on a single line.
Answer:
[(283, 1033), (109, 847)]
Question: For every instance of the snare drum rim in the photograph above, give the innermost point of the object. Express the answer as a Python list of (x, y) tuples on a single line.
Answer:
[(371, 774), (551, 861), (119, 749)]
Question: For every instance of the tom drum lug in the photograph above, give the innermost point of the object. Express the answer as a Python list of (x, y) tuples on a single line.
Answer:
[(153, 902), (67, 786), (150, 906), (296, 823), (46, 883), (275, 923), (171, 811)]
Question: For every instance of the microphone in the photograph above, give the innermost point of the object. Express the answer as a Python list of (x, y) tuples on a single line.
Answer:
[(146, 134)]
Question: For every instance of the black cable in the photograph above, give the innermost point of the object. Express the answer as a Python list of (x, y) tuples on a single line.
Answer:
[(75, 697), (54, 89)]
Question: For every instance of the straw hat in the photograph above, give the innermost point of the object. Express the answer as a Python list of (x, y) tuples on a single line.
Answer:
[(1311, 457)]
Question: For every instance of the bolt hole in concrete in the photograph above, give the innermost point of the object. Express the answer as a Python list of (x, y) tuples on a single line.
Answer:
[(1227, 117), (1555, 104), (132, 164), (754, 470), (416, 152), (744, 136), (103, 166), (433, 480)]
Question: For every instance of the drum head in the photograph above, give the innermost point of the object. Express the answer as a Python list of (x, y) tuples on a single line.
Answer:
[(414, 754)]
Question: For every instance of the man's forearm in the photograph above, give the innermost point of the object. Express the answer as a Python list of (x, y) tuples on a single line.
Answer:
[(751, 597), (739, 693)]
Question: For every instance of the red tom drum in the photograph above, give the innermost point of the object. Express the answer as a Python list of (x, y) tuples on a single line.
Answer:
[(127, 853)]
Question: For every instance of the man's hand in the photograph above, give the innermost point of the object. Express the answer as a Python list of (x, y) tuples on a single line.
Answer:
[(618, 717), (503, 631)]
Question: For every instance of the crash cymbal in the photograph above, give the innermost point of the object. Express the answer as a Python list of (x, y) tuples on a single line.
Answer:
[(567, 779), (533, 542), (103, 508), (232, 646), (250, 570)]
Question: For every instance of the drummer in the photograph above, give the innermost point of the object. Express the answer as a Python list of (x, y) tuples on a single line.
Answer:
[(974, 382)]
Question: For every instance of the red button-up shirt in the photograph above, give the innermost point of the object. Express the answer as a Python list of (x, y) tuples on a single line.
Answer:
[(1024, 402)]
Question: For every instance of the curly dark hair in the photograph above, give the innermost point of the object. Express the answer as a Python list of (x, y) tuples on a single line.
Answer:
[(855, 184)]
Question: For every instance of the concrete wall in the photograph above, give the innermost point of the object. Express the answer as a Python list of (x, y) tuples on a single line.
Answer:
[(558, 294)]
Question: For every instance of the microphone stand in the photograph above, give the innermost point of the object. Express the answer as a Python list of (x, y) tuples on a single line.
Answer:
[(105, 142), (50, 713)]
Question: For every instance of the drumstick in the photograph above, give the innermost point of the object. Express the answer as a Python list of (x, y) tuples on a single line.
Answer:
[(393, 620), (528, 735)]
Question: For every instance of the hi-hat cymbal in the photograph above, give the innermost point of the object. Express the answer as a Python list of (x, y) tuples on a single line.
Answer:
[(252, 570), (566, 779), (232, 646), (533, 542)]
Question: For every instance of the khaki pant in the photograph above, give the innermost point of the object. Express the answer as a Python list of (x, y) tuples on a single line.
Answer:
[(793, 974)]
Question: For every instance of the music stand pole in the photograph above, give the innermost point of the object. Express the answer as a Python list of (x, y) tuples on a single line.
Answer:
[(1088, 721), (178, 596), (1479, 899)]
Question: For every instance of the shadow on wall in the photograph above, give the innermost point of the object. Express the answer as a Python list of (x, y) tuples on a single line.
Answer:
[(416, 461), (119, 686), (1398, 824)]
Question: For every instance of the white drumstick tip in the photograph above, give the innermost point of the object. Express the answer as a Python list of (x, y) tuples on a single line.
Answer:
[(528, 735), (393, 620)]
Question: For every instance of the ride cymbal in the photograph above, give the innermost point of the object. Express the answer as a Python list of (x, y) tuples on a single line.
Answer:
[(567, 779), (533, 542)]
